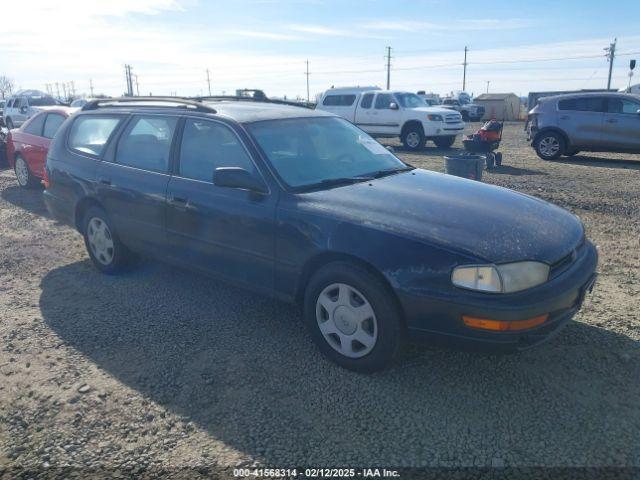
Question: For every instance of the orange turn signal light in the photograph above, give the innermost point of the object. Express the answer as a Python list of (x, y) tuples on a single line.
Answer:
[(504, 326)]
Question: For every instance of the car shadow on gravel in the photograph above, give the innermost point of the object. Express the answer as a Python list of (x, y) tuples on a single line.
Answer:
[(242, 367), (591, 161), (27, 199)]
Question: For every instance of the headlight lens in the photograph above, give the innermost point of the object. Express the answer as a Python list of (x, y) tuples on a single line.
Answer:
[(435, 118), (506, 278)]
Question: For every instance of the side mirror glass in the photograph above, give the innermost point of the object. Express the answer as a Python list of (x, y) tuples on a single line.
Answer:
[(393, 106), (235, 177)]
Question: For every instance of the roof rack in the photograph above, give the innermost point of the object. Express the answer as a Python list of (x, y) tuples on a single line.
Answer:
[(126, 101), (252, 99)]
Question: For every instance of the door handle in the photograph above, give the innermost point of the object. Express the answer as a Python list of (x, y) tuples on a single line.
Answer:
[(179, 203), (105, 181), (173, 199)]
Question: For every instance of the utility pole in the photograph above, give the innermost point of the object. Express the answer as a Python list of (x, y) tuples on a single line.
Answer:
[(488, 82), (209, 82), (137, 86), (307, 74), (611, 55), (91, 86), (388, 68), (127, 71), (464, 71)]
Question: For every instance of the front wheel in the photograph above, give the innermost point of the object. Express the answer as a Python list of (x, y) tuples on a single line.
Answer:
[(444, 142), (106, 250), (549, 146), (352, 317), (23, 173), (413, 138)]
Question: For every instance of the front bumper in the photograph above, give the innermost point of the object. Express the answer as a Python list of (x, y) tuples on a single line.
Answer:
[(560, 298), (442, 129)]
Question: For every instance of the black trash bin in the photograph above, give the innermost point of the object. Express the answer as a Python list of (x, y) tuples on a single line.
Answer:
[(465, 166)]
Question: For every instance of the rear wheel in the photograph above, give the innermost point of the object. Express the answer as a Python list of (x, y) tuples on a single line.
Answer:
[(444, 142), (498, 157), (106, 250), (549, 145), (352, 317), (413, 138), (23, 173)]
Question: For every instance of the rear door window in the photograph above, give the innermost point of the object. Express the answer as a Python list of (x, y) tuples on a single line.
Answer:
[(34, 127), (208, 145), (582, 104), (383, 100), (89, 133), (146, 143), (52, 124), (367, 100)]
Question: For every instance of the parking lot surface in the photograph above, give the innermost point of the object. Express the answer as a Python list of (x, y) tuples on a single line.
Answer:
[(165, 369)]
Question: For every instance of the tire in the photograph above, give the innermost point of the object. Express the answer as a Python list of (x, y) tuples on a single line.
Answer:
[(413, 138), (465, 116), (332, 299), (23, 173), (106, 251), (549, 145), (444, 142), (9, 123), (498, 156)]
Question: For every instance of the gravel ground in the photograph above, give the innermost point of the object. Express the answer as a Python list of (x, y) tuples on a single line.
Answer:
[(161, 370)]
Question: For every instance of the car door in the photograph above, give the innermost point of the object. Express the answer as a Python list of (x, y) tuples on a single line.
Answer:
[(226, 231), (133, 184), (621, 130), (364, 112), (384, 119), (581, 118), (31, 148)]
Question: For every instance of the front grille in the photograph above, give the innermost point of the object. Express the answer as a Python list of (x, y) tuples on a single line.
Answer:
[(452, 118)]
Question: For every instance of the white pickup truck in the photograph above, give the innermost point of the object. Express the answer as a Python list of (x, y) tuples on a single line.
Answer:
[(386, 113)]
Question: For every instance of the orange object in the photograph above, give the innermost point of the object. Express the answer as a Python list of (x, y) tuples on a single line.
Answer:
[(504, 326)]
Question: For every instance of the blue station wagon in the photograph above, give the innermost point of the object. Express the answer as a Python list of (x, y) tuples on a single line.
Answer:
[(304, 206)]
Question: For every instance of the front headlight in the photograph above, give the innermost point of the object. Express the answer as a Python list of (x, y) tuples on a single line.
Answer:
[(506, 278), (435, 117)]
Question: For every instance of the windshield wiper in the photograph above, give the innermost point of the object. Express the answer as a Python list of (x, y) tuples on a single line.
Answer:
[(331, 182), (389, 171)]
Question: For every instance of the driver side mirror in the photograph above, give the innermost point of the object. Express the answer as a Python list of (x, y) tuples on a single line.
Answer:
[(394, 106), (235, 177)]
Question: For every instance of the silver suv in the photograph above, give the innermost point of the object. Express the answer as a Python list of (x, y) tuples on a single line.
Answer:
[(595, 122)]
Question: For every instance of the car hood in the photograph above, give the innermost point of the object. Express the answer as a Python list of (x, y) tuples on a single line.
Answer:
[(490, 223), (434, 110)]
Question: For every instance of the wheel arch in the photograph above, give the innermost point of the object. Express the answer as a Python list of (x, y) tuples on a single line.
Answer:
[(322, 259), (411, 123), (81, 207), (557, 130)]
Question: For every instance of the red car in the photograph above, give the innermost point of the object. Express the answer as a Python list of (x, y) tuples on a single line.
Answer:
[(28, 145)]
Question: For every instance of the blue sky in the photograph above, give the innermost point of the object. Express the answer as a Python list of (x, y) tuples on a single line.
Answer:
[(264, 44)]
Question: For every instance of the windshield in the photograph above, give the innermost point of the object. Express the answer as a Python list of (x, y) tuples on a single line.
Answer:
[(41, 101), (306, 152), (409, 100)]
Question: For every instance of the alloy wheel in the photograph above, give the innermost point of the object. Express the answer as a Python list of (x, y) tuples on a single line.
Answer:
[(549, 146), (22, 171), (413, 139)]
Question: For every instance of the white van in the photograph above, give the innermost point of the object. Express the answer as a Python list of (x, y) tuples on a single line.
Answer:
[(390, 113)]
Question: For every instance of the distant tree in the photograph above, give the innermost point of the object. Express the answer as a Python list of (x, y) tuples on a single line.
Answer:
[(6, 86)]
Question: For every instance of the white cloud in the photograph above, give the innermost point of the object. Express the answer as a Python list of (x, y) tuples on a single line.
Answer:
[(446, 25), (265, 35)]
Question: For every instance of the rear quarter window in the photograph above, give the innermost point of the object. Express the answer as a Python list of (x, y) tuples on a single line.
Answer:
[(339, 100), (584, 104), (89, 134)]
